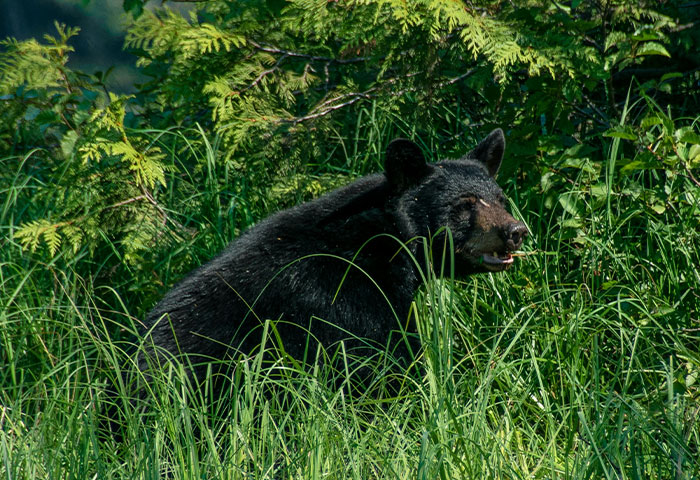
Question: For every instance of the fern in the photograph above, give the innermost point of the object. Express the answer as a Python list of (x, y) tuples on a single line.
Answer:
[(102, 174), (29, 234), (206, 38), (109, 138), (31, 63)]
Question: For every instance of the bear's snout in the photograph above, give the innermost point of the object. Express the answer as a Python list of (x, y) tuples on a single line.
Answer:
[(514, 234)]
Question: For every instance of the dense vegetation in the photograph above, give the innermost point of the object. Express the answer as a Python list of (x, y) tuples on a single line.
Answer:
[(581, 362)]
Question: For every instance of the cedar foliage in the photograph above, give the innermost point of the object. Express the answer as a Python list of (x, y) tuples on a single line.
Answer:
[(281, 88)]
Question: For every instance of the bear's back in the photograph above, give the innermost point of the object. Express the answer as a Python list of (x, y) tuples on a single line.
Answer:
[(295, 266)]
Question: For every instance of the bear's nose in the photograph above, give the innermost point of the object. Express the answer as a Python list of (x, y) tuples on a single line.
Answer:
[(515, 234)]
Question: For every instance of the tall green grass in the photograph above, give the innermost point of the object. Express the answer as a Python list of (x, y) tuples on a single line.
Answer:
[(580, 362)]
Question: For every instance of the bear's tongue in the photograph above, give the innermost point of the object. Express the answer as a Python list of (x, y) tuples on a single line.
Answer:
[(496, 262)]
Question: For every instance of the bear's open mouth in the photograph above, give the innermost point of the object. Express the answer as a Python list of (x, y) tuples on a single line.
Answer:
[(496, 262)]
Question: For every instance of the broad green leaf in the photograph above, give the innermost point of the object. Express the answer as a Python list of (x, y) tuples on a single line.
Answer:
[(546, 181), (633, 189), (669, 76), (620, 134), (694, 155), (68, 143), (687, 135), (646, 35), (571, 223), (650, 121), (578, 150), (658, 207), (652, 48), (613, 39), (583, 164), (571, 203), (637, 165), (599, 190)]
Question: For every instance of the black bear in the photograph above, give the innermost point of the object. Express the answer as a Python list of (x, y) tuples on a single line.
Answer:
[(343, 267)]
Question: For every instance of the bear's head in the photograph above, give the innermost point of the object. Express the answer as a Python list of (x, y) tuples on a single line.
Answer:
[(459, 196)]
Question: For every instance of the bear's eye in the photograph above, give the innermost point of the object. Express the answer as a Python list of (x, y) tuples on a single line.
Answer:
[(501, 199), (467, 201)]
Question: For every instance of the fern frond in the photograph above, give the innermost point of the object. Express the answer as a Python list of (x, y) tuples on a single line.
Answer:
[(206, 38), (31, 234), (35, 65)]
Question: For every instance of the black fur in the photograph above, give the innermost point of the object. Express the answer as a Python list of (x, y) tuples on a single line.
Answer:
[(332, 269)]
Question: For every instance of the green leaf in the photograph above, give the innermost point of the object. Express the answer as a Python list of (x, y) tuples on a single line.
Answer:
[(547, 181), (571, 223), (134, 6), (579, 150), (658, 208), (613, 39), (646, 35), (599, 190), (652, 48), (637, 165), (582, 164), (571, 203), (53, 239), (687, 135), (633, 189), (620, 134), (68, 143), (694, 155), (650, 121), (669, 76)]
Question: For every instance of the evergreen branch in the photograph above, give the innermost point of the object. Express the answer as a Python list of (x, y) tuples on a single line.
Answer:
[(66, 82), (324, 109), (366, 94), (265, 73), (147, 195), (289, 53), (454, 80), (595, 44), (126, 202)]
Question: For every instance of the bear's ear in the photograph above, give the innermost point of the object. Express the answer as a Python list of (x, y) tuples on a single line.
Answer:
[(490, 151), (405, 164)]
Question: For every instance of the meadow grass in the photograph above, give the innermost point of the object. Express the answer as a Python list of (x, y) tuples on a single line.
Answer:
[(580, 362)]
